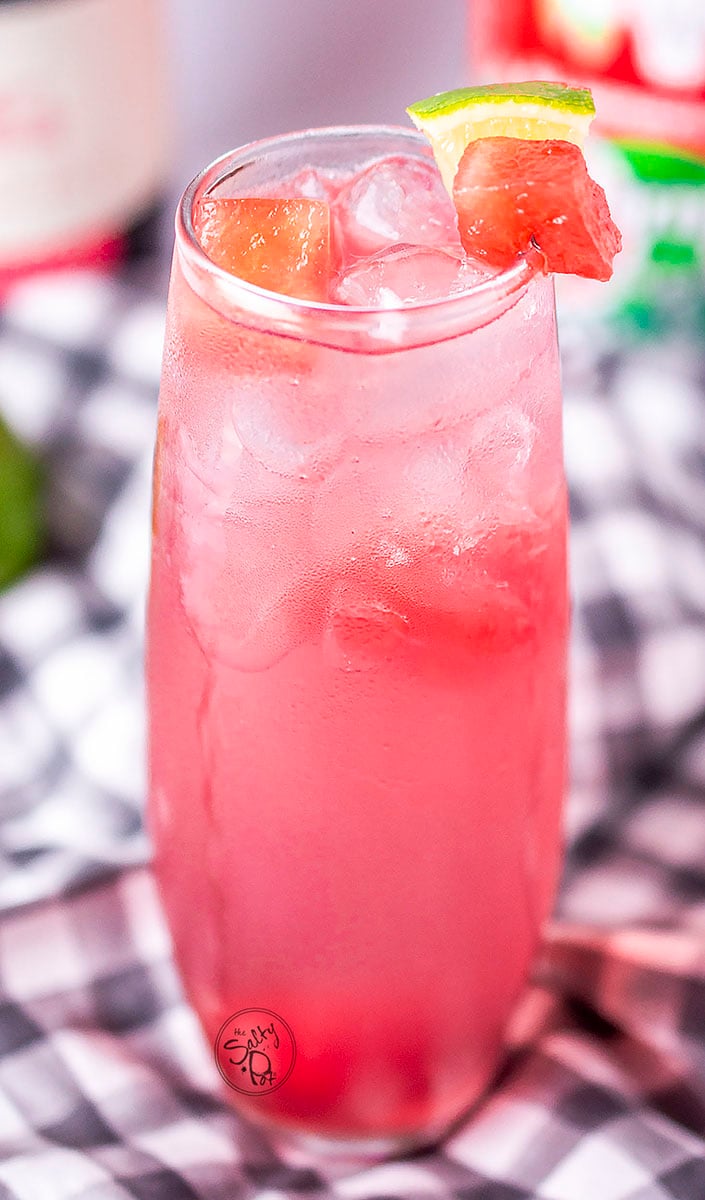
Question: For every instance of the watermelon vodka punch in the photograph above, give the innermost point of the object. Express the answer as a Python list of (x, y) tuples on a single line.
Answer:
[(358, 608)]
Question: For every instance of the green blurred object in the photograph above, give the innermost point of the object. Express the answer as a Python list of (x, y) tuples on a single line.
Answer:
[(657, 193), (654, 163), (21, 524)]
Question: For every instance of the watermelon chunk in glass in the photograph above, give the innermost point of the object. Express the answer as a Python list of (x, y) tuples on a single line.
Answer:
[(282, 245)]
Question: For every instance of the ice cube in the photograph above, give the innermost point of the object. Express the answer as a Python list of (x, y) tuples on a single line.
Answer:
[(430, 549), (204, 472), (290, 425), (395, 199), (501, 459), (276, 622), (362, 630), (247, 585), (405, 275), (398, 517), (308, 184)]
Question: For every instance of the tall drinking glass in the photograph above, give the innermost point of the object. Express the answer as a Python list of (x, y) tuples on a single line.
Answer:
[(356, 662)]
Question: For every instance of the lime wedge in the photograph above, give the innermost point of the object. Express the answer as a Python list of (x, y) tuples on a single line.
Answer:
[(536, 111)]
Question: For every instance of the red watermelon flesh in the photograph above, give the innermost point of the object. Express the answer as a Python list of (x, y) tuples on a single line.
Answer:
[(281, 245), (510, 190)]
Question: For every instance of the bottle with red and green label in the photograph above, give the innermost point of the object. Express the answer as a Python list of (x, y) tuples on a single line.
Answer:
[(645, 64)]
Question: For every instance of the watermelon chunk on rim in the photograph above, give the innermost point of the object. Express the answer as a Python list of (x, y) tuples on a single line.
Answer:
[(511, 191), (282, 245)]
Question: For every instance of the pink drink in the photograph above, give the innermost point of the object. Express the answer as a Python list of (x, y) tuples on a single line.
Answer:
[(357, 661)]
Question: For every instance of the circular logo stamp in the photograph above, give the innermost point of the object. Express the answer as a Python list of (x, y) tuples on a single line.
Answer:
[(255, 1051)]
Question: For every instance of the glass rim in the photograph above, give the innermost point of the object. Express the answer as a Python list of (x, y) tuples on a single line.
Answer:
[(338, 325)]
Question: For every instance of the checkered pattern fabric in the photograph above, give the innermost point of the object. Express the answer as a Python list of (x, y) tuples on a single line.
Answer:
[(107, 1091)]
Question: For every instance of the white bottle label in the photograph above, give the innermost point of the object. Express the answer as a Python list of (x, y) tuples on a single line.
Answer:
[(82, 106), (669, 41), (667, 36)]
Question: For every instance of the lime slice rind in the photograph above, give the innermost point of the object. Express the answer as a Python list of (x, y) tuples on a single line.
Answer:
[(539, 93)]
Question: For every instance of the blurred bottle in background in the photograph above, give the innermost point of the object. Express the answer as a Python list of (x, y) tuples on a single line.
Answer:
[(645, 61), (82, 129)]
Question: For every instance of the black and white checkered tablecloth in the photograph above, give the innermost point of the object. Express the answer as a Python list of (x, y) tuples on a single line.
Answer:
[(107, 1090)]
